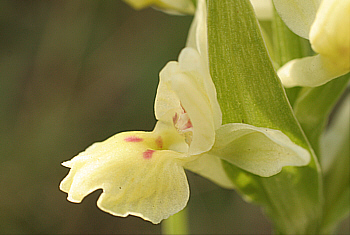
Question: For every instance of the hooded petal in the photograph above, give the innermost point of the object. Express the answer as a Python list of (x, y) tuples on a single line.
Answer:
[(198, 35), (136, 175), (186, 89), (298, 15), (186, 85), (261, 151), (309, 71), (198, 39)]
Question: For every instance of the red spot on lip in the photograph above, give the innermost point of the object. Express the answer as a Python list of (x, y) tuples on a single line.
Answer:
[(148, 154), (159, 142), (133, 139)]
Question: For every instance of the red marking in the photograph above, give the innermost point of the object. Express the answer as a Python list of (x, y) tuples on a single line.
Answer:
[(159, 142), (189, 124), (133, 139), (183, 108), (175, 118), (148, 154)]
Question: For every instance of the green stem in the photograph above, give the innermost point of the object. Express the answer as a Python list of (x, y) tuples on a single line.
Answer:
[(176, 224)]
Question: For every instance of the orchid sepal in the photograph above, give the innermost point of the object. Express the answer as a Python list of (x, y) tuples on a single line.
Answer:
[(309, 71), (261, 151)]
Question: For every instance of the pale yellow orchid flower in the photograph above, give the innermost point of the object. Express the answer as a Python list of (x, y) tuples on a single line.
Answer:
[(327, 25), (169, 6), (142, 173)]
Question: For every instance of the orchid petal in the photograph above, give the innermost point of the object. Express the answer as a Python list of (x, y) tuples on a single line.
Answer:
[(210, 167), (193, 63), (261, 151), (187, 84), (298, 14), (198, 35), (309, 71), (137, 177)]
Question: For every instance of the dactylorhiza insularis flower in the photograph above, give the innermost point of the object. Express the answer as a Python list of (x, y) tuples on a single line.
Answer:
[(327, 25), (142, 173), (169, 6)]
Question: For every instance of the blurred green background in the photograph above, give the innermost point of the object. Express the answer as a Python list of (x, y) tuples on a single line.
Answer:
[(73, 73)]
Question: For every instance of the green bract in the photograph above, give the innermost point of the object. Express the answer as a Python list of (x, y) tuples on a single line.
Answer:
[(249, 91)]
